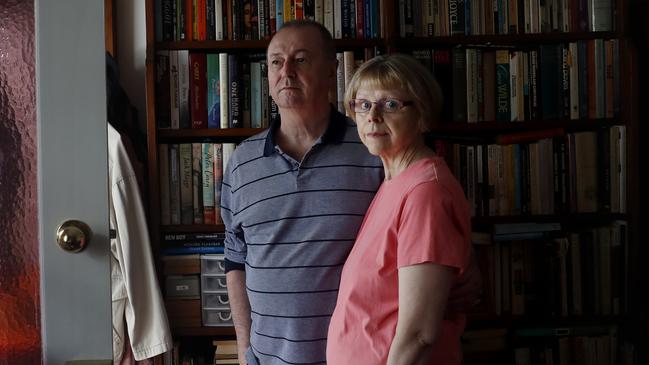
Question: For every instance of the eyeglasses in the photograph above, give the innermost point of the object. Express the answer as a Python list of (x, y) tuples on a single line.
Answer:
[(384, 105)]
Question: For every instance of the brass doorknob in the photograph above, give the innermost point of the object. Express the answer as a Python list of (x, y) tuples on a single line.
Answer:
[(73, 235)]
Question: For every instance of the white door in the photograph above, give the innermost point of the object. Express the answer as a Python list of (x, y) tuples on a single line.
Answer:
[(71, 114)]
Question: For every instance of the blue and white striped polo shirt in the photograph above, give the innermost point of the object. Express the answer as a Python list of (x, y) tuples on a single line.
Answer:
[(293, 224)]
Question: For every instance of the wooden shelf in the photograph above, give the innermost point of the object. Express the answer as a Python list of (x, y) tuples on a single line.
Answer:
[(568, 220), (250, 45), (502, 39), (193, 228), (568, 125), (203, 331), (208, 133), (492, 321)]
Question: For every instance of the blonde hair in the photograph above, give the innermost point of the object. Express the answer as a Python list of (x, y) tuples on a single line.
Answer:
[(400, 72)]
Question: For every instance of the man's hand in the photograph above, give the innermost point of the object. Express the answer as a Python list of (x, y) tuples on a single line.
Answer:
[(468, 291)]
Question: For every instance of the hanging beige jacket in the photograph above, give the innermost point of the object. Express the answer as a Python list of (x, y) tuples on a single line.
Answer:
[(137, 303)]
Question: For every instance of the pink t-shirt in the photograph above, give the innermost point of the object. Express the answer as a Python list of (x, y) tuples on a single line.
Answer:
[(419, 216)]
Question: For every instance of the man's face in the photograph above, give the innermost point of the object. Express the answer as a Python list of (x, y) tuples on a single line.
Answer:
[(299, 74)]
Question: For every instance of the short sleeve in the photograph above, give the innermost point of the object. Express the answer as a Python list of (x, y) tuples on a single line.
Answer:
[(434, 226), (235, 244)]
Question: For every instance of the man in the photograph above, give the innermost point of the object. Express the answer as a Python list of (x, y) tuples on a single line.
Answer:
[(293, 199)]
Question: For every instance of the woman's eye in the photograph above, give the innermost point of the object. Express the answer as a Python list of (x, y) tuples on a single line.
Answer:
[(391, 104), (366, 105)]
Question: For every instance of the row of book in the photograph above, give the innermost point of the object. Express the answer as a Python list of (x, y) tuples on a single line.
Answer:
[(588, 348), (190, 181), (568, 273), (200, 20), (570, 345), (422, 18), (198, 90), (577, 80), (582, 172)]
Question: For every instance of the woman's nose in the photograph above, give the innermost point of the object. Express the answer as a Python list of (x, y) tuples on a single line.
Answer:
[(374, 115)]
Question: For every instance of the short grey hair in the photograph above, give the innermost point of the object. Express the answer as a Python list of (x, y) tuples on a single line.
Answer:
[(400, 72)]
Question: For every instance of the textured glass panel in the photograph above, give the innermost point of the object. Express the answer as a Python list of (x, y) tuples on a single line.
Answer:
[(20, 341)]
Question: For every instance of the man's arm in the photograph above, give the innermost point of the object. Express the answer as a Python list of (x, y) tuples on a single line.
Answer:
[(240, 308), (423, 293)]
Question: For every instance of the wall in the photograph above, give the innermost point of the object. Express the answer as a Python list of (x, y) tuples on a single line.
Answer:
[(131, 52)]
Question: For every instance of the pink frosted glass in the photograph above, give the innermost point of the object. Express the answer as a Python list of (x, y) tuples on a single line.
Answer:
[(20, 341)]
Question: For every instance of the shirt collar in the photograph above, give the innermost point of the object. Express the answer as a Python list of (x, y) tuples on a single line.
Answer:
[(334, 134)]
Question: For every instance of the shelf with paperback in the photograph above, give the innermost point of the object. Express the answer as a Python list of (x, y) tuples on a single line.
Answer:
[(520, 108), (540, 125)]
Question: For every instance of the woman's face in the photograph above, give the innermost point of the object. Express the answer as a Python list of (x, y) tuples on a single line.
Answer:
[(391, 125)]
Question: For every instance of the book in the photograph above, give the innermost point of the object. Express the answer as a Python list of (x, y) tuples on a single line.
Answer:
[(198, 94), (186, 181), (174, 87), (207, 164), (165, 195), (162, 90), (197, 182), (183, 92), (213, 91), (218, 180), (224, 93), (502, 86), (174, 184)]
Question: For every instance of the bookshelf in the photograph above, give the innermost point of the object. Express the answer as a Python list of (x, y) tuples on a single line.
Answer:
[(484, 131)]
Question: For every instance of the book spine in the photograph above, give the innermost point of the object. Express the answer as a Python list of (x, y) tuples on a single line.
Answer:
[(167, 20), (213, 92), (183, 84), (163, 160), (197, 183), (266, 99), (162, 90), (279, 14), (207, 164), (186, 180), (210, 20), (502, 86), (255, 94), (179, 10), (174, 184), (218, 180), (234, 81), (272, 18), (329, 15), (244, 99), (174, 88), (456, 17), (224, 90), (198, 90), (337, 21), (219, 28), (318, 11)]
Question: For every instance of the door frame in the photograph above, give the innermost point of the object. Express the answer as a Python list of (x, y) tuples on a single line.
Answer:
[(72, 178)]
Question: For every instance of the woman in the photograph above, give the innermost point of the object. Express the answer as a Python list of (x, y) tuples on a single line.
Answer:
[(414, 241)]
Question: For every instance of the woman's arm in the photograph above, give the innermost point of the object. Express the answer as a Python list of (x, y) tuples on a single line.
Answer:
[(423, 294)]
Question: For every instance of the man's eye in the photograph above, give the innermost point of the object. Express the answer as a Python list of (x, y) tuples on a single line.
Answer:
[(300, 60), (275, 62)]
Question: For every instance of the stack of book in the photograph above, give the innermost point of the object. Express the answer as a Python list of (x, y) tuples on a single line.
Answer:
[(226, 352)]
